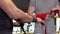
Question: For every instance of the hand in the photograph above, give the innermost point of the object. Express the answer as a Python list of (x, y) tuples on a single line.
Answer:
[(47, 16), (56, 8), (16, 23), (39, 20)]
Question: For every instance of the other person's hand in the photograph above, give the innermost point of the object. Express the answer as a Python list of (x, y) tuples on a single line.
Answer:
[(39, 20), (56, 8)]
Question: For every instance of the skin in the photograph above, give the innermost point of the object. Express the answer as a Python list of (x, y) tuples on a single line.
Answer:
[(13, 12), (31, 9)]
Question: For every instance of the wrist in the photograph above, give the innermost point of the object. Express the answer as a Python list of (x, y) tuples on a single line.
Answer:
[(18, 20), (34, 19)]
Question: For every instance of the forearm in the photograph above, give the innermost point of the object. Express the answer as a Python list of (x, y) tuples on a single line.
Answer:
[(13, 12), (25, 17)]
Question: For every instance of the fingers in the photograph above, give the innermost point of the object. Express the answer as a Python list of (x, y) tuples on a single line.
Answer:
[(43, 22), (47, 16), (16, 23), (56, 8), (39, 20)]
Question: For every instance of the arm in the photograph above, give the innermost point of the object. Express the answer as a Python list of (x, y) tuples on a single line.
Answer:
[(13, 12)]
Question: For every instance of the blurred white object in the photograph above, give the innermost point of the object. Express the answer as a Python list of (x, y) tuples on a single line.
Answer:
[(14, 21), (16, 29), (31, 27), (57, 24)]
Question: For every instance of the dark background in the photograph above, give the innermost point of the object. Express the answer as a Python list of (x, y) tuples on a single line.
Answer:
[(22, 4), (59, 1)]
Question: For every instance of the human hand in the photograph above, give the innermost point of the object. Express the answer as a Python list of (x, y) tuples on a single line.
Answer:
[(39, 20), (16, 23), (47, 16), (56, 8)]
